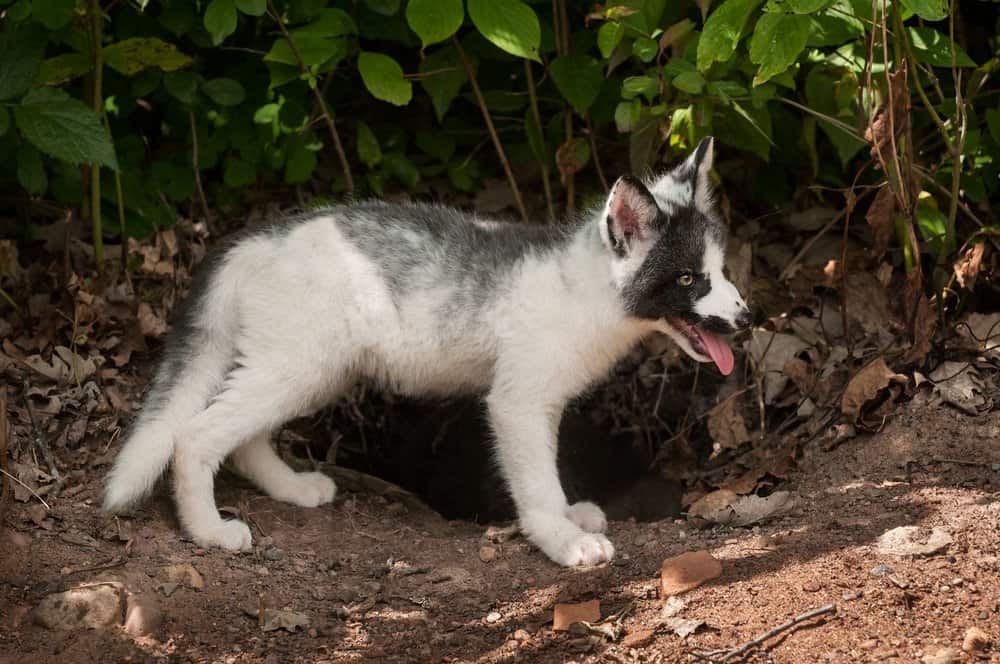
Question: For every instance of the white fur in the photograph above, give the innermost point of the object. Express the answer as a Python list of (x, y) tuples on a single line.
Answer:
[(723, 300)]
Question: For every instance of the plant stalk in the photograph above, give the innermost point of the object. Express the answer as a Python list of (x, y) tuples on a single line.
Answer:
[(97, 36), (533, 97), (491, 128)]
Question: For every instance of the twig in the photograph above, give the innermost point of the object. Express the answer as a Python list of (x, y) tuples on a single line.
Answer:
[(32, 491), (491, 128), (40, 442), (117, 561), (724, 655), (4, 483), (536, 116), (334, 134), (197, 171)]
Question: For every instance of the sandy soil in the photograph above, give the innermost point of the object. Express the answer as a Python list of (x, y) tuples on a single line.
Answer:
[(382, 581)]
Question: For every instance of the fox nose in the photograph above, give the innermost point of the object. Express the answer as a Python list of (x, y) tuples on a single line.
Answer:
[(744, 319)]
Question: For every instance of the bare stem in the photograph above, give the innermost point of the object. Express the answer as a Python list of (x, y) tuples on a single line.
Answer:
[(338, 147), (491, 128), (537, 118), (97, 34), (197, 170), (595, 155)]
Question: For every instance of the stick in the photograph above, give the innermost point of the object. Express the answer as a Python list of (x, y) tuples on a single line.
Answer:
[(491, 128), (334, 134), (40, 442), (4, 484), (724, 655), (197, 172)]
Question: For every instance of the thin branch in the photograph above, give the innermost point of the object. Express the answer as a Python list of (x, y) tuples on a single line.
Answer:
[(537, 118), (40, 441), (97, 33), (595, 155), (724, 655), (197, 171), (491, 128), (338, 147)]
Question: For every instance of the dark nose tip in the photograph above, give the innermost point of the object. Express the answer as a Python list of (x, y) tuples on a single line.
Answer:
[(744, 319)]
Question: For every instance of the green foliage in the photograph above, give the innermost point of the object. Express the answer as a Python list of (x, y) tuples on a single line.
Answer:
[(779, 82)]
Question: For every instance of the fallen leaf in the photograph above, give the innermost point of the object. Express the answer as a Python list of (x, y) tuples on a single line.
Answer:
[(960, 385), (865, 386), (906, 541), (150, 324), (565, 615), (726, 425), (728, 508), (672, 607), (888, 123), (185, 574), (609, 628), (687, 571), (275, 619), (683, 627), (983, 330), (967, 267), (770, 352)]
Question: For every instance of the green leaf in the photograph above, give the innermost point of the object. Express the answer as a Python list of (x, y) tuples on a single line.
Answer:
[(21, 50), (442, 77), (633, 86), (182, 85), (807, 6), (929, 10), (536, 137), (933, 48), (224, 91), (64, 128), (777, 42), (384, 7), (578, 78), (315, 50), (609, 36), (252, 7), (384, 78), (238, 173), (130, 56), (300, 161), (267, 114), (401, 168), (691, 82), (932, 223), (31, 170), (434, 20), (437, 144), (723, 30), (992, 122), (368, 148), (62, 68), (834, 26), (220, 20), (510, 24), (745, 128), (53, 14), (645, 49), (627, 115)]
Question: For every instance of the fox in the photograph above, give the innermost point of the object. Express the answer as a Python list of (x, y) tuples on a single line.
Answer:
[(426, 300)]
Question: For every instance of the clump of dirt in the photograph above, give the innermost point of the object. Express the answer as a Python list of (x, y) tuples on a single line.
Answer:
[(374, 578)]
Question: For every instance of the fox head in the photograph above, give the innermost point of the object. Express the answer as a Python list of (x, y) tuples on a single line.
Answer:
[(667, 246)]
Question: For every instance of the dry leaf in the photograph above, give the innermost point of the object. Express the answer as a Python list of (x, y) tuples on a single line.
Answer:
[(886, 127), (275, 619), (880, 218), (967, 267), (726, 425), (959, 384), (865, 386), (683, 627), (728, 508), (150, 324), (186, 574), (770, 352), (983, 330), (687, 571), (917, 309)]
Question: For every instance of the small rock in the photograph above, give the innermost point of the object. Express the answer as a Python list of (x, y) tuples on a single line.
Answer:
[(168, 588), (487, 553), (879, 570), (493, 616), (274, 553), (639, 639), (565, 615), (682, 627), (92, 607), (906, 541), (672, 607), (687, 571), (870, 644), (811, 587), (975, 641), (142, 615), (185, 574), (847, 596), (943, 656), (521, 635), (262, 571)]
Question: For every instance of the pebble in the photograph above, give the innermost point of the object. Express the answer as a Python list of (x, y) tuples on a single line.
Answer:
[(262, 571), (943, 656), (975, 640), (274, 553), (870, 644), (521, 635), (94, 606), (493, 616), (879, 570), (142, 615), (487, 553)]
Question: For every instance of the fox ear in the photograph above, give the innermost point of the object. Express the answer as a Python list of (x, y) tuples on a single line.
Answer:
[(631, 211), (696, 169)]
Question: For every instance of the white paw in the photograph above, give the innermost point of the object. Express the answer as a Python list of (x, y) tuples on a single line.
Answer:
[(584, 550), (311, 490), (588, 516), (232, 535)]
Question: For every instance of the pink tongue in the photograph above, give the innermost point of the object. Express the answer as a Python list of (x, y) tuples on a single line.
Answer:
[(717, 349)]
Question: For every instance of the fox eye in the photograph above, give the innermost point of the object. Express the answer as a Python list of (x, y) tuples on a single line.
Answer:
[(685, 279)]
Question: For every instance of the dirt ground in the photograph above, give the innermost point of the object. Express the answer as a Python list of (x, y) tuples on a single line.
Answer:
[(382, 581)]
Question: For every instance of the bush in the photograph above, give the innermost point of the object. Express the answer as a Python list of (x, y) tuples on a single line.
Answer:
[(161, 99)]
